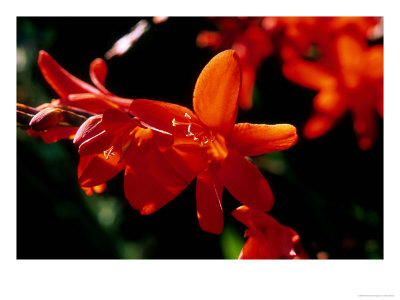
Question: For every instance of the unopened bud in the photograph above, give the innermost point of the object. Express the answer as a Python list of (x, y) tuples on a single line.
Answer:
[(47, 118)]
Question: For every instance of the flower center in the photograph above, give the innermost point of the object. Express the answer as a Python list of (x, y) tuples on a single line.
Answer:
[(195, 131), (215, 143)]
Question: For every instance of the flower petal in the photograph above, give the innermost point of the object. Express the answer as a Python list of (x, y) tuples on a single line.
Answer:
[(160, 114), (209, 203), (188, 161), (98, 73), (308, 74), (330, 102), (351, 58), (94, 170), (215, 97), (143, 190), (365, 125), (90, 102), (88, 129), (246, 93), (60, 80), (268, 239), (54, 134), (318, 125), (256, 139), (245, 182), (116, 119)]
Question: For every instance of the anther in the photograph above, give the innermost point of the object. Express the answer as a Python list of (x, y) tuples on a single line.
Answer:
[(108, 152)]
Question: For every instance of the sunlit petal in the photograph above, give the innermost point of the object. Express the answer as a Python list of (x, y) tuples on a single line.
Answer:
[(257, 139), (245, 182), (215, 97)]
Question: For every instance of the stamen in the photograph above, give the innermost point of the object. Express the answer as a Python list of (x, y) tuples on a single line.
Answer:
[(108, 152), (202, 135), (189, 132)]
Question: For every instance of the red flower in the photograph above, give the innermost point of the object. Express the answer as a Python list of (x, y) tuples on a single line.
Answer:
[(115, 141), (267, 238), (351, 80), (251, 43), (75, 96), (211, 130), (77, 93), (301, 34)]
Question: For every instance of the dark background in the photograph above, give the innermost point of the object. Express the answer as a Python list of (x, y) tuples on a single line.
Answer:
[(328, 190)]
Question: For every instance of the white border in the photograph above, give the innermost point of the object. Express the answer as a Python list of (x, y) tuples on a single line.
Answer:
[(183, 279)]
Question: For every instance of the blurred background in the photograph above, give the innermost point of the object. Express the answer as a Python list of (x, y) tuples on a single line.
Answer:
[(328, 190)]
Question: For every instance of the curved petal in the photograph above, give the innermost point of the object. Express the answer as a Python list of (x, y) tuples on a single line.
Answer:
[(116, 119), (143, 190), (150, 160), (188, 161), (245, 182), (268, 239), (365, 125), (256, 139), (351, 55), (331, 102), (90, 102), (375, 62), (308, 74), (96, 144), (215, 96), (98, 73), (97, 169), (88, 129), (160, 114), (246, 93), (54, 134), (318, 125), (60, 80), (209, 203)]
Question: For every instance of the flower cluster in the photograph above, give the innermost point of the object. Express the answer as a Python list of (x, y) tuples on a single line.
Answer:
[(331, 55), (161, 147)]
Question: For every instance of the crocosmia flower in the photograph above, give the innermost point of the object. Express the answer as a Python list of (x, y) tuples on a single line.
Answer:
[(77, 99), (114, 141), (267, 238), (351, 80), (77, 93), (211, 130)]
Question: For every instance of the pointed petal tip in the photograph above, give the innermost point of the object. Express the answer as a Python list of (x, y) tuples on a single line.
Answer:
[(216, 93), (205, 226), (148, 208)]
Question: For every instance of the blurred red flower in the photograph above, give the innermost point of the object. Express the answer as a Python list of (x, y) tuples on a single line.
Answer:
[(350, 79), (250, 41), (312, 36), (211, 130), (267, 238)]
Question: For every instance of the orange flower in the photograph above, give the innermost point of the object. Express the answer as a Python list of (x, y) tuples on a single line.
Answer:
[(115, 141), (351, 80), (251, 43), (211, 130), (77, 100), (267, 238), (77, 93), (301, 34)]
